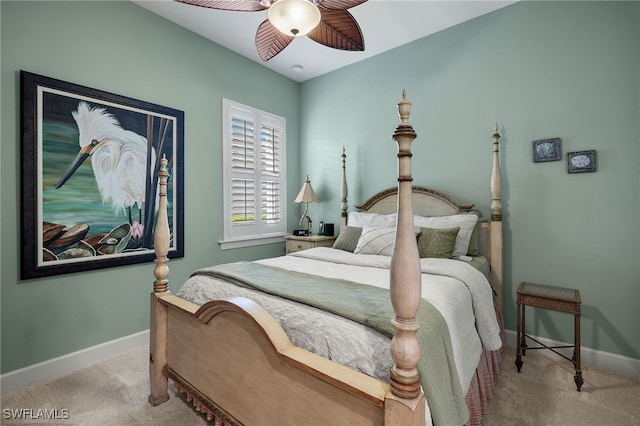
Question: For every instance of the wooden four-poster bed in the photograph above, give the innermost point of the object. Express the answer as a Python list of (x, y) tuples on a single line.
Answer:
[(228, 349)]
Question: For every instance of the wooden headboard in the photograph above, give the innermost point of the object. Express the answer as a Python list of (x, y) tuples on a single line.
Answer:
[(426, 202)]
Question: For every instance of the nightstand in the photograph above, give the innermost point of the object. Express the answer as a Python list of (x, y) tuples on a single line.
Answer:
[(303, 243)]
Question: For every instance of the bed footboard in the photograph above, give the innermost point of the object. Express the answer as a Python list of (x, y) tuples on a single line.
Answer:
[(235, 359)]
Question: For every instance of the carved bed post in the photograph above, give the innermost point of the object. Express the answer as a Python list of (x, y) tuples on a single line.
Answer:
[(405, 285), (158, 332), (161, 234), (496, 221), (344, 191)]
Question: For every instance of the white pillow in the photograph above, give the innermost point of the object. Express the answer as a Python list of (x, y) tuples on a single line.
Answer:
[(376, 241), (466, 222), (371, 220)]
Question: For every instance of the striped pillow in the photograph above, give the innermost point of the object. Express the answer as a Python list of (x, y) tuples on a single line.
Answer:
[(376, 241)]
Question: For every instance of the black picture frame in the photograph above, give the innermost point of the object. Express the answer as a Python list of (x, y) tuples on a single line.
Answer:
[(546, 150), (581, 161), (92, 214)]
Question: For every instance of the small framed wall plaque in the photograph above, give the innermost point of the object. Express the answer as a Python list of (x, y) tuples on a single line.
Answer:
[(546, 150), (581, 161)]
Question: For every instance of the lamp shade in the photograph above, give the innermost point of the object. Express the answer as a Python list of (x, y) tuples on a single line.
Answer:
[(306, 194), (294, 17)]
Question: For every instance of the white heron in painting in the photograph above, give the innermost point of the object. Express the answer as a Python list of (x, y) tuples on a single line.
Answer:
[(118, 157)]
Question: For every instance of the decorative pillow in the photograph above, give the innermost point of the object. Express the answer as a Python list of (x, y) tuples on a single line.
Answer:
[(466, 222), (376, 241), (348, 239), (437, 242), (371, 220)]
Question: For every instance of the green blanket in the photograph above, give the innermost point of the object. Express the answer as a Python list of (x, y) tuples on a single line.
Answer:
[(370, 306)]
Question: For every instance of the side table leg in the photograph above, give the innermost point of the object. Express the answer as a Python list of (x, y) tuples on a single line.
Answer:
[(578, 379), (523, 343), (576, 354), (518, 336)]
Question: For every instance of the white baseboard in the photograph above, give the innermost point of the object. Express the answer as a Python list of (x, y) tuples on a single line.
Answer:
[(588, 357), (66, 363)]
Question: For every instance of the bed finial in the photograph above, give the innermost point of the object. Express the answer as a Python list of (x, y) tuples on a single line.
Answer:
[(161, 234), (405, 271), (404, 129), (404, 108)]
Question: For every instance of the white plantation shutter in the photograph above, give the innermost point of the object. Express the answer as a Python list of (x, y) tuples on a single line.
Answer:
[(243, 193), (243, 202), (270, 169), (270, 202), (253, 151), (242, 145)]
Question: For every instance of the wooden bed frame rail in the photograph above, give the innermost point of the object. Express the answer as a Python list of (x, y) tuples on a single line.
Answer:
[(237, 365)]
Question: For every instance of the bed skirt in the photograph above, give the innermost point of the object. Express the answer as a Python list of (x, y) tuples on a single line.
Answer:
[(482, 383)]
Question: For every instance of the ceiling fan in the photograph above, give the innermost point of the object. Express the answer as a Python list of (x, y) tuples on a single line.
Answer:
[(324, 21)]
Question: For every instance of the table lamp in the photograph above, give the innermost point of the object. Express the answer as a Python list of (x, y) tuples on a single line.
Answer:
[(306, 196)]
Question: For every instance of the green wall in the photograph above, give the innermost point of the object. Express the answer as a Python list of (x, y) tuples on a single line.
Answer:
[(541, 69), (121, 48)]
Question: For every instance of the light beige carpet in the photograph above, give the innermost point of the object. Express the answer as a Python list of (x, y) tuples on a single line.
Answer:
[(544, 393), (115, 392)]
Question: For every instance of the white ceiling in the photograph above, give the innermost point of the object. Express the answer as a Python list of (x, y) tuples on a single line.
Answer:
[(385, 24)]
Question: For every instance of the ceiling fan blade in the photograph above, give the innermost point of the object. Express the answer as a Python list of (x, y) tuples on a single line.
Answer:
[(339, 30), (339, 4), (238, 5), (270, 41)]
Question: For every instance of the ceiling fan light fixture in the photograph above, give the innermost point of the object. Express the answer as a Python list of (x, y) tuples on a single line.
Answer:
[(294, 17)]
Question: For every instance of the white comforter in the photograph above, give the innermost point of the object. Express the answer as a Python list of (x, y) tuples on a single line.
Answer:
[(460, 292)]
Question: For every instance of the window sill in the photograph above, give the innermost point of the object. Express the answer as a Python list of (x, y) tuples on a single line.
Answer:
[(249, 242)]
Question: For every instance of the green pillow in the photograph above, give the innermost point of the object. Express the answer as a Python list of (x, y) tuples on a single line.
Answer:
[(348, 239), (437, 242)]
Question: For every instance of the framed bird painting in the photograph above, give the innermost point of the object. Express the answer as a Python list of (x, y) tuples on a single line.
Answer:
[(89, 177)]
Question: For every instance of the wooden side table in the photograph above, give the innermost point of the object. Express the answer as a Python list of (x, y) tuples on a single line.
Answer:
[(556, 299), (295, 243)]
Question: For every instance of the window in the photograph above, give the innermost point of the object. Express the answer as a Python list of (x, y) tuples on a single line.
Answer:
[(253, 148)]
